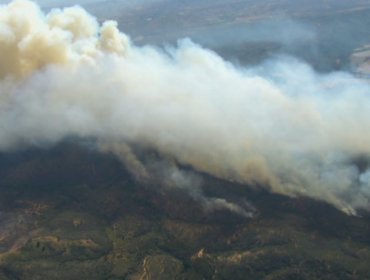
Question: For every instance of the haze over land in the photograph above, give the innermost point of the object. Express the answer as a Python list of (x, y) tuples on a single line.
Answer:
[(240, 152), (279, 125)]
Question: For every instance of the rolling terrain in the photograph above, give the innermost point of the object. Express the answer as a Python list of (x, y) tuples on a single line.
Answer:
[(70, 211)]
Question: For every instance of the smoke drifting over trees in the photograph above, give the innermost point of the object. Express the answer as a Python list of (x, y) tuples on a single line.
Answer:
[(279, 126)]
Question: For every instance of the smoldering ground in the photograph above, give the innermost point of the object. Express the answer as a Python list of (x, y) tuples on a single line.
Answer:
[(280, 125)]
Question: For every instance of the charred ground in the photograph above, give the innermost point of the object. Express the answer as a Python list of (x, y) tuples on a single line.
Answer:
[(72, 213), (69, 212)]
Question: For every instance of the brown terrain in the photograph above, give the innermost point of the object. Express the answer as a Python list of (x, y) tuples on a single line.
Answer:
[(68, 212)]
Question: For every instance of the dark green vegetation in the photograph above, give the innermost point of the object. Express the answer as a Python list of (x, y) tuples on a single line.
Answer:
[(70, 213)]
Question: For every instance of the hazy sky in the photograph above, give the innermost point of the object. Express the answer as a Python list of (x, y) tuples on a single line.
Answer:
[(48, 3), (58, 3)]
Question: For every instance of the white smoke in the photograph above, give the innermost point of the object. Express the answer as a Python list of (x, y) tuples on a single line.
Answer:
[(172, 177), (280, 126)]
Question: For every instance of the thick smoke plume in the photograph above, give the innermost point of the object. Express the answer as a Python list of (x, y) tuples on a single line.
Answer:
[(280, 125)]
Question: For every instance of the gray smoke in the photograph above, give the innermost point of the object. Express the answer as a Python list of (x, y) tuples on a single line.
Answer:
[(279, 126)]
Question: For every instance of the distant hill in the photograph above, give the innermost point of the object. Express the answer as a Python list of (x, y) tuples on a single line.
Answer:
[(71, 213)]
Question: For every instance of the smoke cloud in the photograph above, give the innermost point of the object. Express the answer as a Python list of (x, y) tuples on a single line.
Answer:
[(279, 126)]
